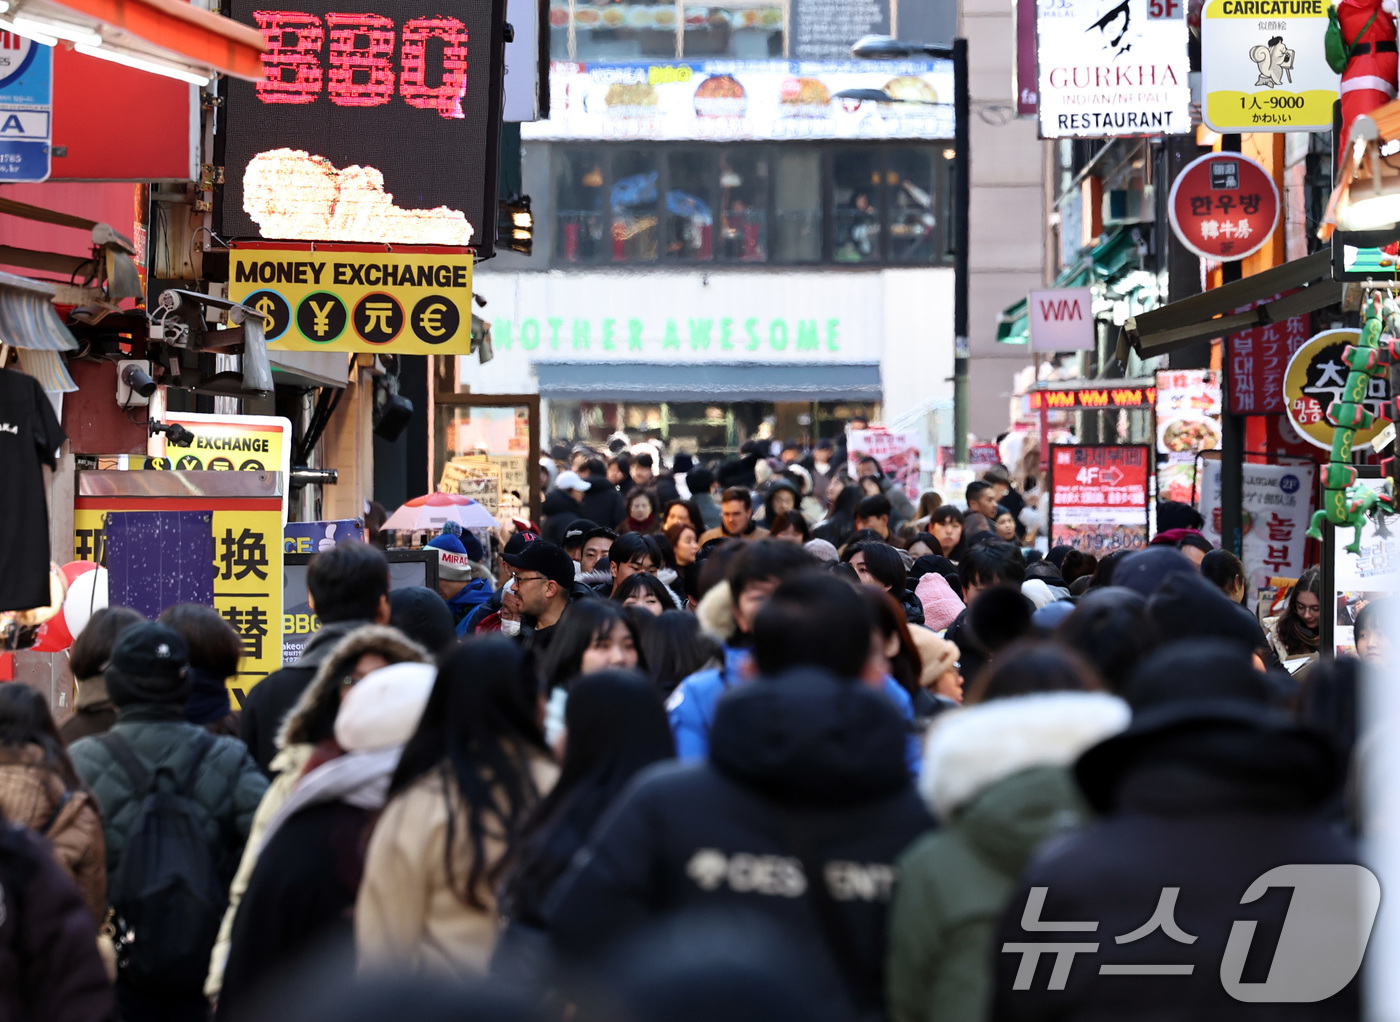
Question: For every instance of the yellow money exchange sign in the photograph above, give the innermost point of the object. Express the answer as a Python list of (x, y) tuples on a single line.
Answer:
[(345, 298)]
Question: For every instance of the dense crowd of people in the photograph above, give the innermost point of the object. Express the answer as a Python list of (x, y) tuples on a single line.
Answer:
[(763, 739)]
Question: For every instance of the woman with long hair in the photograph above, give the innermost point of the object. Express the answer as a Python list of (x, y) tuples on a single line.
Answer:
[(40, 789), (93, 710), (594, 635), (929, 502), (946, 526), (615, 726), (841, 519), (684, 539), (682, 512), (880, 565), (646, 592), (675, 647), (468, 778), (1295, 632)]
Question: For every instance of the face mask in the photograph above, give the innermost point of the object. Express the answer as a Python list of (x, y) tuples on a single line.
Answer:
[(510, 628)]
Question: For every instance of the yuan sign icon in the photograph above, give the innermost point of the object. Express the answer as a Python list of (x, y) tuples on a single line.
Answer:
[(1062, 320)]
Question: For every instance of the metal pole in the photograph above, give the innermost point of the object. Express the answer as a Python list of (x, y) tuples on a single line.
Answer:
[(962, 202), (1231, 426)]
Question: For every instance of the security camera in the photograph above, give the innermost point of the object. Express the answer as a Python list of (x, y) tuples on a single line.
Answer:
[(138, 379), (175, 434)]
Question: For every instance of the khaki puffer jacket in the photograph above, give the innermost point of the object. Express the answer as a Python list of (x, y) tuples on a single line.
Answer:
[(295, 746), (33, 793)]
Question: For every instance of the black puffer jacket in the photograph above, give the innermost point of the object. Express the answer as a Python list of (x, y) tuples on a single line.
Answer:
[(802, 767), (1207, 808), (559, 511)]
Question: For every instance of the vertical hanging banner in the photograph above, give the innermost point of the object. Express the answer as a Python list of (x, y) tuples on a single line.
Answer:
[(1264, 66), (26, 108), (1098, 496), (1276, 505), (1188, 422), (1110, 70), (1223, 206)]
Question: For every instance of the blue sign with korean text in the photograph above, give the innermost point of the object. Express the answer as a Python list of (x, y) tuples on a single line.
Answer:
[(26, 108)]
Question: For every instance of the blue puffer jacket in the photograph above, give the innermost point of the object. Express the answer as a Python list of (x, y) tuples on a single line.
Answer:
[(227, 787)]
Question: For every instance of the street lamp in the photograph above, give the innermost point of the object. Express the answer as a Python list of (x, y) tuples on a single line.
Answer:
[(879, 47)]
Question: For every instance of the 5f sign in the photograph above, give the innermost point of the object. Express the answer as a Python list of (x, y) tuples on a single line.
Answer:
[(1063, 319), (1163, 10)]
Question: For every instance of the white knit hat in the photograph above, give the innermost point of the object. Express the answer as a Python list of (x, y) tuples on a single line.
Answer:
[(384, 707)]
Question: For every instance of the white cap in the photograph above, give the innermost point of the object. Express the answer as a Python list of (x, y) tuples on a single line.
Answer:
[(382, 710), (571, 481)]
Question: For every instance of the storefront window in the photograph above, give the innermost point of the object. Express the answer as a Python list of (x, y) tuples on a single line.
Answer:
[(690, 205), (913, 200), (743, 189), (634, 197), (482, 452), (780, 205), (798, 207), (578, 205), (636, 29), (855, 207)]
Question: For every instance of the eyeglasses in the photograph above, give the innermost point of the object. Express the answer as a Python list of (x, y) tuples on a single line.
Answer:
[(519, 579)]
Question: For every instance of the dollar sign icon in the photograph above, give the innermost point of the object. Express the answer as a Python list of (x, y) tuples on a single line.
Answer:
[(273, 309)]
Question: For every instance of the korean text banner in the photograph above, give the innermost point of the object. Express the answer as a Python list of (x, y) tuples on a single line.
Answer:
[(1110, 70), (377, 125), (1098, 497), (745, 100), (333, 299), (1276, 505)]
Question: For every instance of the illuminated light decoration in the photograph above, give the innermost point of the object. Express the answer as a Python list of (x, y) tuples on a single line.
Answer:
[(361, 69), (156, 67), (36, 27), (1097, 397), (446, 98), (292, 61), (293, 195)]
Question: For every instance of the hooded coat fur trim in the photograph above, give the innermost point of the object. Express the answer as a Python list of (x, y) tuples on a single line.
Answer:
[(970, 750), (716, 613), (366, 639)]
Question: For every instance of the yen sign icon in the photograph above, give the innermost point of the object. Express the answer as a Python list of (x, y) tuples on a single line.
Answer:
[(435, 319), (321, 317), (378, 317)]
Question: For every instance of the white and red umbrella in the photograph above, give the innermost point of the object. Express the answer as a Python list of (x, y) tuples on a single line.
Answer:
[(434, 509)]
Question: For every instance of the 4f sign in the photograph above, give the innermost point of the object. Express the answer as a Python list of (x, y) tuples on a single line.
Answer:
[(1063, 319)]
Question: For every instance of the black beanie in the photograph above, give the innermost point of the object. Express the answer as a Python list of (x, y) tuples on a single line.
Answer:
[(149, 664)]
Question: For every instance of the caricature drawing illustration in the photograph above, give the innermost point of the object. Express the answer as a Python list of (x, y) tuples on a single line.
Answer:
[(1275, 62)]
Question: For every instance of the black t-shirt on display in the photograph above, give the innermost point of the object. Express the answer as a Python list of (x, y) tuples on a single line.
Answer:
[(29, 438)]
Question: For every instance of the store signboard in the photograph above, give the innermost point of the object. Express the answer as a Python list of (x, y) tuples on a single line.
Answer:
[(1098, 496), (378, 125), (26, 108), (1111, 71), (1359, 579), (1258, 358), (1264, 66), (318, 537), (1223, 206), (1316, 376), (345, 298), (1277, 503), (1125, 395), (1026, 81), (722, 101), (897, 453), (246, 535), (1062, 319), (1188, 422)]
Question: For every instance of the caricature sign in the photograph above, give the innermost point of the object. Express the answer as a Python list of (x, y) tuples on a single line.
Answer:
[(1264, 66)]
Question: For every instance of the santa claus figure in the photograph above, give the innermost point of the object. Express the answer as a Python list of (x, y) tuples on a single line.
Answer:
[(1368, 26)]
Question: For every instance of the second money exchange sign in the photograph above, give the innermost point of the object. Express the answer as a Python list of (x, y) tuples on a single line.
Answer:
[(338, 298)]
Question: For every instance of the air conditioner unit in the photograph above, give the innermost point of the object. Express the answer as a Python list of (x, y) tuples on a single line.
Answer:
[(1128, 206)]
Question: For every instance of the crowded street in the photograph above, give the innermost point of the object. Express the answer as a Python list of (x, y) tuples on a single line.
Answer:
[(639, 511)]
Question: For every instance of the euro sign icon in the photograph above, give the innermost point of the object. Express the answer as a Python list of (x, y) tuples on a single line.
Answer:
[(320, 317), (266, 306), (431, 319)]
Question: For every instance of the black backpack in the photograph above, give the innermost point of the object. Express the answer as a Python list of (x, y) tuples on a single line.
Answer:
[(166, 892)]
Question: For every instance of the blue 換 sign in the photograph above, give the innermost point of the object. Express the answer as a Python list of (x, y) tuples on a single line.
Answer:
[(26, 108)]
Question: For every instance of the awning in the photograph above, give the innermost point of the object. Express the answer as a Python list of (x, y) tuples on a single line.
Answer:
[(169, 37), (1212, 314), (310, 368), (27, 316), (673, 381), (1107, 261)]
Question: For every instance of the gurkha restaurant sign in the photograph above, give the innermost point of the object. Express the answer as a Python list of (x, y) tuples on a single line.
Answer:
[(357, 298), (244, 573)]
